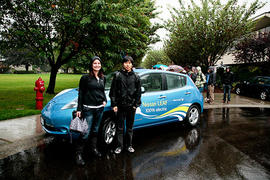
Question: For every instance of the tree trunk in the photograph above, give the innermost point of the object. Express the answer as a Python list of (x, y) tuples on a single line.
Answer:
[(50, 89), (27, 67)]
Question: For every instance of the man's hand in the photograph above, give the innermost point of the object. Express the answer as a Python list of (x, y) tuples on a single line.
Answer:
[(115, 109)]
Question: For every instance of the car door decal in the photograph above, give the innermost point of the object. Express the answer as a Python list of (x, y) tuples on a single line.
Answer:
[(179, 112)]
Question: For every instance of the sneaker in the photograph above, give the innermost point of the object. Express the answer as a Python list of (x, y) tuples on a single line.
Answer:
[(130, 149), (117, 150)]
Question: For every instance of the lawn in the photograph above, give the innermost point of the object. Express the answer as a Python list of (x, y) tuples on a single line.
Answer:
[(17, 95)]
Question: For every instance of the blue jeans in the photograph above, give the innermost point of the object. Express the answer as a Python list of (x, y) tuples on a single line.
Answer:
[(93, 117), (227, 89)]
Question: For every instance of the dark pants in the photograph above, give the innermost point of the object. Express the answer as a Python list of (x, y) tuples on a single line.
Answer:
[(93, 117), (227, 89), (125, 114)]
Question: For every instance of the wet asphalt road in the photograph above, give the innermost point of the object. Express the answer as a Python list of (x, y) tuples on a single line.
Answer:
[(229, 144)]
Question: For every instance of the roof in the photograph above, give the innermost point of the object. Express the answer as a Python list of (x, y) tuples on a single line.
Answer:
[(262, 21)]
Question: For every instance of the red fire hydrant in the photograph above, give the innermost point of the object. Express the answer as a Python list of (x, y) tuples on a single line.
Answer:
[(39, 88)]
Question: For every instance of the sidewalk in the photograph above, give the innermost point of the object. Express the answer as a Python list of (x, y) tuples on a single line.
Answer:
[(26, 132), (236, 101), (19, 134)]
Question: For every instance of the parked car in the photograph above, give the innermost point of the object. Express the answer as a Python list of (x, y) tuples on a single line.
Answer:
[(258, 87), (166, 97)]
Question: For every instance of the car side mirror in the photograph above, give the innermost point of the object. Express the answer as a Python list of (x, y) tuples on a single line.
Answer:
[(142, 89)]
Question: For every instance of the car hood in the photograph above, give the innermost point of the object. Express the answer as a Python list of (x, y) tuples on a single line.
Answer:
[(65, 97)]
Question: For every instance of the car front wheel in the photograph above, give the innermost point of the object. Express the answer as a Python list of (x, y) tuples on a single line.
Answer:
[(193, 115), (108, 131), (263, 95)]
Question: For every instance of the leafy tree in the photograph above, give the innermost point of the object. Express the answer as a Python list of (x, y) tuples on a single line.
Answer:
[(63, 30), (253, 49), (156, 57), (201, 34), (22, 56)]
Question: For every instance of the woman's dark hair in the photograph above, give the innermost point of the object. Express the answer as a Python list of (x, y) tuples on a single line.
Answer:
[(101, 72)]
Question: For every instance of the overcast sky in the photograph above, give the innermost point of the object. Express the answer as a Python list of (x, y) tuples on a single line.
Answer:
[(163, 6)]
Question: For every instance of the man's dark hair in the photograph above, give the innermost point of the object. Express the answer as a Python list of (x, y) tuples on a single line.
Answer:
[(128, 58)]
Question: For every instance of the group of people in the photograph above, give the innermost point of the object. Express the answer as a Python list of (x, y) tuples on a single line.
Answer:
[(208, 82), (125, 95)]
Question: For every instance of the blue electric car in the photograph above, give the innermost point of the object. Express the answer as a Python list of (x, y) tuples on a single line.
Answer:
[(166, 97)]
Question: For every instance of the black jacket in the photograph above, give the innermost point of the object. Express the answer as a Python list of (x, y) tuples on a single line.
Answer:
[(125, 90), (91, 92), (212, 79), (227, 78)]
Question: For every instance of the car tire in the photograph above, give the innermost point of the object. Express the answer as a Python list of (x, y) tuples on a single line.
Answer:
[(108, 131), (237, 90), (193, 138), (193, 116), (263, 95)]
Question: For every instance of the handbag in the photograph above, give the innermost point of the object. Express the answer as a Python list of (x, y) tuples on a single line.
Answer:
[(78, 125)]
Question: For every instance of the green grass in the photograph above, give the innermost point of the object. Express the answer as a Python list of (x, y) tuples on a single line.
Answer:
[(17, 95)]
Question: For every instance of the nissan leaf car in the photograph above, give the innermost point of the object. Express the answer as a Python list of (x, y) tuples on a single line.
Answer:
[(166, 97)]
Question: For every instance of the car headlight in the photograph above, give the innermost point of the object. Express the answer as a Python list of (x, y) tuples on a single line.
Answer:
[(71, 105)]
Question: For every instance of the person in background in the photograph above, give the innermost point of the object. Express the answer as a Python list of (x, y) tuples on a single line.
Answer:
[(210, 81), (91, 102), (193, 75), (227, 81), (191, 71), (200, 79), (206, 88), (125, 94)]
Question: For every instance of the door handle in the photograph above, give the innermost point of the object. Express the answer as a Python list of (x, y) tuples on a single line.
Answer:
[(161, 97), (187, 93)]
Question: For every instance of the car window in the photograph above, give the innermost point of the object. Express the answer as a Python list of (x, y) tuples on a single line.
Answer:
[(267, 81), (152, 82), (263, 80), (175, 81), (254, 80)]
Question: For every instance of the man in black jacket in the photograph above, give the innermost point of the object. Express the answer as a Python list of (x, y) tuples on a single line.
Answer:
[(125, 94), (227, 81)]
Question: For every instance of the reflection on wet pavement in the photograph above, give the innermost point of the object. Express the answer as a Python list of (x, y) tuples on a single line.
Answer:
[(228, 144)]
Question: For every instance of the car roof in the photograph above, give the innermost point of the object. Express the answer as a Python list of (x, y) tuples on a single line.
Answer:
[(142, 71)]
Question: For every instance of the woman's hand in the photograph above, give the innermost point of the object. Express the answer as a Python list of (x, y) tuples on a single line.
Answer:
[(104, 103), (78, 114)]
